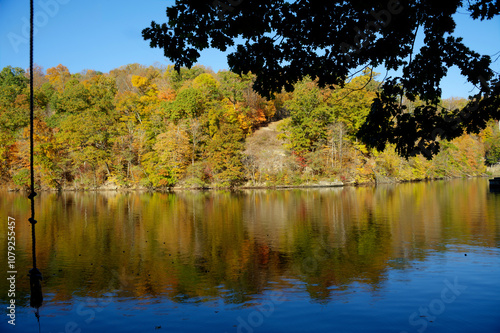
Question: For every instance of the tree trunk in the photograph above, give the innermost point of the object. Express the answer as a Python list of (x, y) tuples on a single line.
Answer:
[(341, 133), (333, 150), (107, 169)]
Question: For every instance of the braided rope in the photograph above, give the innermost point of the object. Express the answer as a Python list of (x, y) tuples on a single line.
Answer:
[(32, 172), (35, 275)]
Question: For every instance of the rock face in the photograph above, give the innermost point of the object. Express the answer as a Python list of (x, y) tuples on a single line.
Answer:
[(321, 183), (330, 184), (108, 186), (380, 179)]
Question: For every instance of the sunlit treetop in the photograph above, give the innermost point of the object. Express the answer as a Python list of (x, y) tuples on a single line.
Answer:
[(282, 42)]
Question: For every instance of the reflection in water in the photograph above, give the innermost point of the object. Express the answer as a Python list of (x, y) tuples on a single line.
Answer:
[(196, 247), (36, 296)]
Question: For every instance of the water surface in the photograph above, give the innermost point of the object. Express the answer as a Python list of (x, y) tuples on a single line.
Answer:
[(421, 257)]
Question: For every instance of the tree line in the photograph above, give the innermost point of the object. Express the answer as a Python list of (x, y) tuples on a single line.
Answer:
[(155, 127)]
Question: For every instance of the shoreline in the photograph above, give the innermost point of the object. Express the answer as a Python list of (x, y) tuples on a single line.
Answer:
[(320, 184)]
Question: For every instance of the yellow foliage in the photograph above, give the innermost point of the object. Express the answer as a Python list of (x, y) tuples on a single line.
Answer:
[(364, 174), (206, 83), (144, 85), (173, 149), (245, 124), (361, 147), (58, 76)]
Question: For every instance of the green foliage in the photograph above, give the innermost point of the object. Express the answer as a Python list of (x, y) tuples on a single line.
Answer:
[(351, 104), (177, 78), (74, 99), (492, 144), (14, 99), (493, 153), (196, 176), (309, 118), (189, 103), (102, 91), (233, 86), (208, 85), (13, 77), (22, 178)]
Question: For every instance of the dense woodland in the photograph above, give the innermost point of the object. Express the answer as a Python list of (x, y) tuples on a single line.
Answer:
[(154, 127)]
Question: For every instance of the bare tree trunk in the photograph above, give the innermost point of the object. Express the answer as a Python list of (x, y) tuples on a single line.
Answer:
[(81, 176), (341, 134), (131, 172), (107, 169), (333, 150), (192, 154), (194, 128)]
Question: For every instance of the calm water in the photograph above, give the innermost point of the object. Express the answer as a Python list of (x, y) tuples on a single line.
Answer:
[(419, 257)]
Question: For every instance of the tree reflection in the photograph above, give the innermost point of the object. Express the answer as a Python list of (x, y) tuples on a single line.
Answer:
[(197, 246)]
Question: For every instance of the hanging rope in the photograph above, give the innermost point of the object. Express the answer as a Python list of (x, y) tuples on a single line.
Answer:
[(34, 274)]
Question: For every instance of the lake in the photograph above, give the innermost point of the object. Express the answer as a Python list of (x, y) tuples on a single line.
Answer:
[(414, 257)]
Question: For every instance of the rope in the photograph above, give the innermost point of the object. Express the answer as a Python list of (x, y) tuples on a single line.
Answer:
[(32, 172), (35, 275)]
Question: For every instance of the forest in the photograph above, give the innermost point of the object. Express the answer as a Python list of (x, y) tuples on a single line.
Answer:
[(152, 127)]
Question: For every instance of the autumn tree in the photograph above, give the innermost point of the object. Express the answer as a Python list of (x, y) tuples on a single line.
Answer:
[(49, 155), (14, 111), (350, 106), (491, 137), (177, 77), (87, 133), (14, 98), (234, 86), (73, 100), (171, 154), (58, 76), (309, 117), (351, 103), (225, 145)]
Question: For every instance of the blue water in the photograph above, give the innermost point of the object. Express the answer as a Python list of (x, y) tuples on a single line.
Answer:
[(431, 280)]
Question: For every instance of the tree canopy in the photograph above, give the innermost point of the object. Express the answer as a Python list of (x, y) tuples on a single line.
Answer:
[(283, 42)]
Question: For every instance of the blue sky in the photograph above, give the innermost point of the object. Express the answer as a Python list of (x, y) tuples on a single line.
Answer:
[(106, 34)]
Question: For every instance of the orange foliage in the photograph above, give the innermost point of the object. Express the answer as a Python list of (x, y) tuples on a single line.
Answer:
[(168, 95)]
